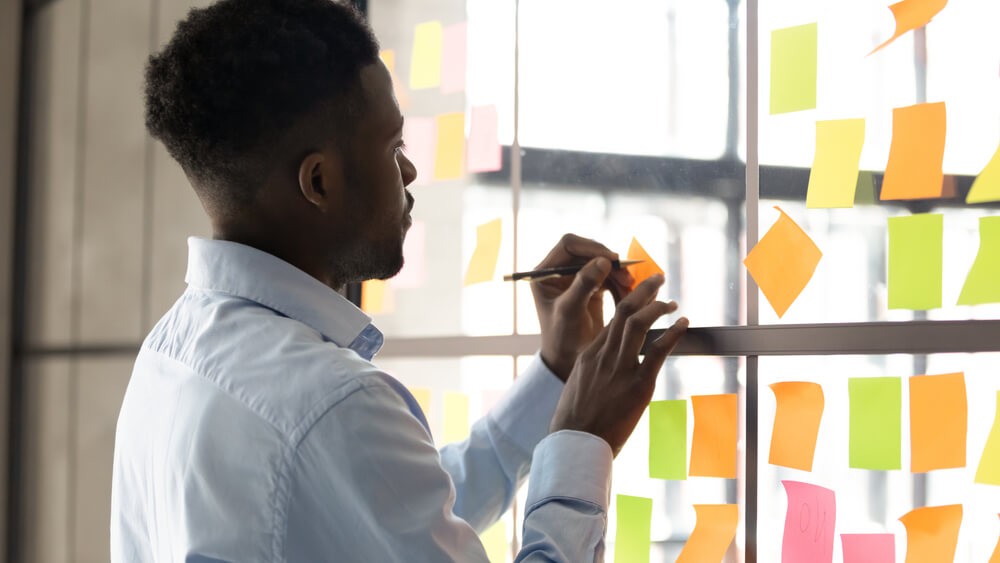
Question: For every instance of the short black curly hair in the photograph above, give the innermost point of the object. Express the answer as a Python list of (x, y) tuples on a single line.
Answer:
[(238, 74)]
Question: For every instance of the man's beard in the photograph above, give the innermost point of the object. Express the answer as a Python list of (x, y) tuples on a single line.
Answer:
[(366, 260)]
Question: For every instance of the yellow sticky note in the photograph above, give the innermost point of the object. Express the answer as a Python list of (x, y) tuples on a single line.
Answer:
[(989, 464), (796, 423), (834, 176), (713, 444), (981, 285), (987, 184), (932, 533), (456, 417), (783, 262), (496, 541), (425, 64), (388, 57), (938, 421), (641, 271), (793, 68), (483, 264), (916, 256), (916, 155), (423, 397), (376, 297), (910, 15), (714, 530), (450, 153)]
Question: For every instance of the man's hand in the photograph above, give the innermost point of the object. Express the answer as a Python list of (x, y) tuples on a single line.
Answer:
[(571, 308), (609, 388)]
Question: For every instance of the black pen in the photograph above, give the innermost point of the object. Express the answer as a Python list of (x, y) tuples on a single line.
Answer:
[(546, 273)]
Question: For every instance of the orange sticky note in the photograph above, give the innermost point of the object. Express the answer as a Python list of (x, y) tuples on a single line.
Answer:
[(987, 184), (450, 146), (783, 262), (456, 417), (938, 419), (988, 472), (916, 156), (714, 530), (910, 15), (796, 423), (996, 552), (713, 444), (376, 297), (641, 271), (425, 63), (483, 264), (932, 533)]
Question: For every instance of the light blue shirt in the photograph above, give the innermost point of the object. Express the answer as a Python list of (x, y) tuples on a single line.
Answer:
[(256, 428)]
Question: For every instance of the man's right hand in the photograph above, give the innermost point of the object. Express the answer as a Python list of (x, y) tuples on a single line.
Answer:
[(609, 388)]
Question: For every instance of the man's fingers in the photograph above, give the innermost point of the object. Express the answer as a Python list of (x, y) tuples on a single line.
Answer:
[(638, 325), (586, 282), (659, 349), (573, 249), (632, 304)]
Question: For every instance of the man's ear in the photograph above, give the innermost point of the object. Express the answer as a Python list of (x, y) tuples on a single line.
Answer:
[(321, 179)]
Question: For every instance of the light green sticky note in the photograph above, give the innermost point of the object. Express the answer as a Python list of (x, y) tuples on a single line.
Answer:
[(987, 184), (793, 68), (834, 175), (668, 439), (915, 261), (632, 532), (876, 406), (983, 282)]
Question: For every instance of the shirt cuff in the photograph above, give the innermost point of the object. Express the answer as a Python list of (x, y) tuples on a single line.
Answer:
[(525, 413), (571, 464)]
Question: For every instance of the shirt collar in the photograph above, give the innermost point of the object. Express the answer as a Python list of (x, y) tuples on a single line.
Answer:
[(246, 272)]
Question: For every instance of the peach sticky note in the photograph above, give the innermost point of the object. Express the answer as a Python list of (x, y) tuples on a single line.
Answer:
[(483, 264), (916, 155), (834, 175), (796, 423), (714, 530), (453, 63), (668, 439), (932, 533), (986, 187), (809, 523), (496, 541), (713, 443), (484, 145), (376, 297), (632, 530), (938, 420), (916, 257), (996, 552), (641, 271), (423, 398), (425, 64), (450, 146), (420, 134), (876, 407), (783, 262), (456, 417), (869, 548), (910, 15), (793, 68), (989, 464), (981, 284)]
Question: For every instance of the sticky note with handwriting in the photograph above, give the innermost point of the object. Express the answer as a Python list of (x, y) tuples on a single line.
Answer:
[(938, 421), (713, 442), (668, 439), (796, 423), (876, 406), (809, 523), (714, 530), (932, 533)]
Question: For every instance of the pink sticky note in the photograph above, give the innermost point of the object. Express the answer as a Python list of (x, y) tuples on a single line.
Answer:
[(420, 136), (453, 53), (869, 548), (809, 523), (484, 148), (414, 272)]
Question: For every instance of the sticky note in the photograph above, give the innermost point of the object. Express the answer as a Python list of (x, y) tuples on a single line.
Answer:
[(388, 57), (938, 420), (796, 423), (783, 262), (668, 439), (916, 155), (496, 541), (714, 530), (932, 533), (986, 187), (375, 297), (996, 552), (456, 416), (713, 443), (876, 410), (915, 261), (420, 135), (632, 531), (864, 194), (834, 175), (793, 68), (454, 56), (641, 271), (484, 145), (989, 464), (483, 264), (423, 398), (869, 548), (981, 285), (910, 15), (450, 146), (809, 523), (425, 64)]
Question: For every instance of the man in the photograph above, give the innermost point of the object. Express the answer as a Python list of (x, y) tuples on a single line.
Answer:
[(255, 427)]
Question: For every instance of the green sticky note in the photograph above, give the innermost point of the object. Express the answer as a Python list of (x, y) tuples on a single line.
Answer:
[(982, 285), (632, 530), (915, 261), (875, 421), (668, 439), (793, 68), (834, 175)]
